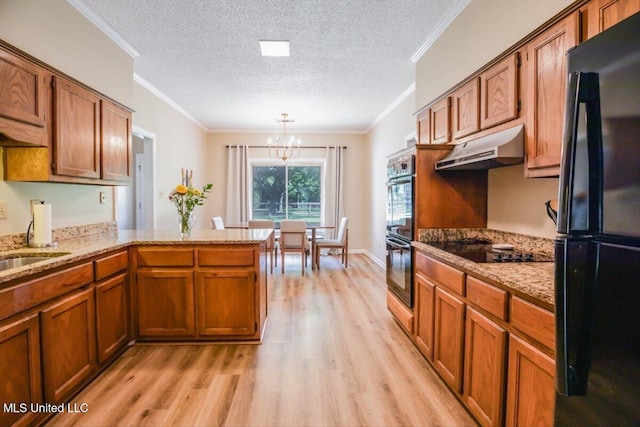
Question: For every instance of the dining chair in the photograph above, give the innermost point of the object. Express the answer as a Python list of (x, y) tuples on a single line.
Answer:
[(217, 223), (340, 242), (293, 238), (272, 245)]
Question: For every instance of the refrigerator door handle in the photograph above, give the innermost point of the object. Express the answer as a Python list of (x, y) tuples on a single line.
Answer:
[(574, 275), (565, 189), (582, 88)]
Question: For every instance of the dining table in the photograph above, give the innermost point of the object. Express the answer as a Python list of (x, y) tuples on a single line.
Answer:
[(313, 228)]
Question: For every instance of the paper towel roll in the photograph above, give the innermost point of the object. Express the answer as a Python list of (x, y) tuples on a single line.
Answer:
[(42, 224)]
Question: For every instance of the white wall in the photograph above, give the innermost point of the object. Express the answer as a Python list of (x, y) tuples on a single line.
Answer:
[(55, 33), (481, 32), (179, 143), (357, 197), (385, 138)]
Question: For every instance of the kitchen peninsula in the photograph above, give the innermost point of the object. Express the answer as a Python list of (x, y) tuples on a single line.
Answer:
[(63, 319)]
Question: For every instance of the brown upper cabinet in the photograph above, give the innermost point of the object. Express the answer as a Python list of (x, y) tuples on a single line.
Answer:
[(22, 101), (602, 14), (440, 118), (499, 92), (546, 83), (76, 141), (115, 140), (92, 137), (423, 126), (465, 116), (56, 129)]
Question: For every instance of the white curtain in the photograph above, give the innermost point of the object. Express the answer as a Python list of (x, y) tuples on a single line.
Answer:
[(334, 186), (237, 211)]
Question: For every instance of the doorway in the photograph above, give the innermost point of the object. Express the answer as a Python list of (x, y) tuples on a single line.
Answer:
[(135, 202)]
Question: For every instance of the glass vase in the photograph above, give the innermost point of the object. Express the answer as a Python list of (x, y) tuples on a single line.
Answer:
[(186, 223)]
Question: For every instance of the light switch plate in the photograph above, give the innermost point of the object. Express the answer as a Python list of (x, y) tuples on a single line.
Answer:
[(103, 198), (3, 210)]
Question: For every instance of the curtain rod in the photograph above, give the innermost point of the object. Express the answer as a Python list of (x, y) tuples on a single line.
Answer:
[(302, 146)]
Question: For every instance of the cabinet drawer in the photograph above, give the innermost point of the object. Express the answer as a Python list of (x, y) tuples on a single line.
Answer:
[(111, 264), (165, 257), (403, 315), (444, 275), (534, 321), (227, 257), (487, 297), (33, 292)]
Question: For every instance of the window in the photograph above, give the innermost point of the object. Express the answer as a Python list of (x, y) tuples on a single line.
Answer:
[(287, 192)]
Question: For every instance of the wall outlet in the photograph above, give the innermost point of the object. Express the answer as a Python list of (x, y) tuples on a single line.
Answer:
[(3, 210), (103, 198)]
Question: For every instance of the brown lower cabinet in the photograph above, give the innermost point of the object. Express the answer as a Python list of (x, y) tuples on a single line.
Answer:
[(166, 303), (226, 302), (449, 338), (112, 316), (68, 344), (484, 374), (200, 293), (57, 331), (531, 385), (425, 293), (20, 375), (492, 354)]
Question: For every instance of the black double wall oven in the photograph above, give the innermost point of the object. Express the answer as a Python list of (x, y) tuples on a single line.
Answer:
[(400, 209)]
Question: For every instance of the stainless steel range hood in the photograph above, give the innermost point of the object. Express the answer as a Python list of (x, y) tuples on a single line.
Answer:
[(502, 148)]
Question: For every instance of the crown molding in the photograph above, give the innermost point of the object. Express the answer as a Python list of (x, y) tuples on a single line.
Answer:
[(154, 90), (86, 11), (408, 91), (439, 29)]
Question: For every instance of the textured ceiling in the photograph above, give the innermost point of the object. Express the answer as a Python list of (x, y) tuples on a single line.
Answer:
[(350, 59)]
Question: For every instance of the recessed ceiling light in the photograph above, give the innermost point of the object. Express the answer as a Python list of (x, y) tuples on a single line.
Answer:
[(274, 47)]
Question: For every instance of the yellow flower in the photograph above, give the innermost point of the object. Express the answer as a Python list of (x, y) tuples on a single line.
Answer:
[(181, 189)]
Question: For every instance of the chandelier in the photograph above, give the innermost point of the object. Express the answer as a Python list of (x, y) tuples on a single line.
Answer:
[(284, 148)]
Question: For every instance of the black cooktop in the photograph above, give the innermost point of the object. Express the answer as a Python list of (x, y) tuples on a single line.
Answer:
[(481, 251)]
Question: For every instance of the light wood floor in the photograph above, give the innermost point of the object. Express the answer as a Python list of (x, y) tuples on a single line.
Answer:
[(332, 356)]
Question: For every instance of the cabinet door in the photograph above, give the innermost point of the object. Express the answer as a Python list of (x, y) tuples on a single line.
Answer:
[(226, 302), (20, 380), (165, 300), (465, 116), (498, 93), (423, 126), (68, 345), (602, 14), (441, 121), (116, 142), (546, 82), (76, 143), (425, 293), (484, 368), (22, 94), (530, 385), (112, 316), (449, 338)]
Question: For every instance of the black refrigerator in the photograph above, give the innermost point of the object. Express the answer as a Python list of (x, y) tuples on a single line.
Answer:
[(597, 270)]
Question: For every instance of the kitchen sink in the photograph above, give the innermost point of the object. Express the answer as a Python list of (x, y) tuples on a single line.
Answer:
[(8, 262)]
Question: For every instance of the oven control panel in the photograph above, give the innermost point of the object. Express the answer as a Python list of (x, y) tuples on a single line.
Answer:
[(402, 166)]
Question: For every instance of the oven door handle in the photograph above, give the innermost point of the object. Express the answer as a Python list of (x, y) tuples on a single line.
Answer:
[(398, 243), (395, 181)]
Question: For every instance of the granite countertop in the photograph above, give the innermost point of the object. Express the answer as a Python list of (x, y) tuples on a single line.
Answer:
[(533, 281), (83, 247)]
